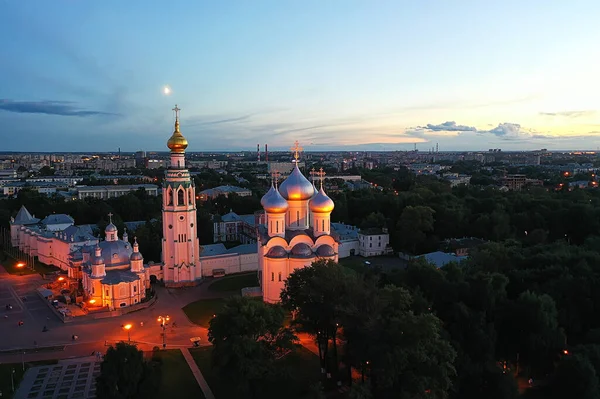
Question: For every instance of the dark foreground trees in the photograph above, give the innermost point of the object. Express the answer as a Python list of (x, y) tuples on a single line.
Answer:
[(248, 338), (125, 374), (399, 353)]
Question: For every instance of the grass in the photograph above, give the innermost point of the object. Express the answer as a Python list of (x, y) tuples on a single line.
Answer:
[(234, 283), (302, 366), (202, 311), (6, 371), (177, 380)]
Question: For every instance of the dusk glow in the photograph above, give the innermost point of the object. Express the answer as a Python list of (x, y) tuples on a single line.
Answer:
[(336, 74)]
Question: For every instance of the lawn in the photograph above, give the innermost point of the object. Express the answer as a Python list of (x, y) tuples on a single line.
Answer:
[(234, 283), (177, 380), (202, 311), (302, 366), (6, 370)]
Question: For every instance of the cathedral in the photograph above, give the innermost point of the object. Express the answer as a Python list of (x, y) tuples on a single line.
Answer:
[(297, 230), (294, 231)]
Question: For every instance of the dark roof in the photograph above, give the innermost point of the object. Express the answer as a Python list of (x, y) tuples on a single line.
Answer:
[(60, 218), (114, 277), (24, 217)]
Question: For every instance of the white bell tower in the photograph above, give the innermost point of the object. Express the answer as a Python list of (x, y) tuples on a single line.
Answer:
[(180, 245)]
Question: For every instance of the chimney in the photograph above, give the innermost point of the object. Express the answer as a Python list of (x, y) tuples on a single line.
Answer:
[(266, 152), (258, 152)]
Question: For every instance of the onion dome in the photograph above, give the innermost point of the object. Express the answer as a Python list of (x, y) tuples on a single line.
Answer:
[(321, 203), (273, 202), (325, 251), (296, 187), (136, 255), (177, 143), (277, 252), (302, 250), (97, 259)]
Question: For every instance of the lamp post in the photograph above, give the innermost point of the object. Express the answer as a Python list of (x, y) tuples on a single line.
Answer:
[(12, 380), (128, 328), (163, 323)]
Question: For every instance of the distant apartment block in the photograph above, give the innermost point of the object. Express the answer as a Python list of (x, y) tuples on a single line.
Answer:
[(213, 193), (105, 192)]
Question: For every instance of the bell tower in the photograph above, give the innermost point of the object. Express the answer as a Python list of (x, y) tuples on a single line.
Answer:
[(180, 245)]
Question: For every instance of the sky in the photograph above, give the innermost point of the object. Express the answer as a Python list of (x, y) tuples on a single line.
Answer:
[(89, 76)]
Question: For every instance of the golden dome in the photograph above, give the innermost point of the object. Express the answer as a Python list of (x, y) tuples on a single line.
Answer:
[(321, 203), (296, 187), (177, 143), (273, 202)]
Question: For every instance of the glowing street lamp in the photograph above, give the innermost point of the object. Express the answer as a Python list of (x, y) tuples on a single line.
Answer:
[(163, 323), (61, 278), (20, 264), (92, 301), (128, 328)]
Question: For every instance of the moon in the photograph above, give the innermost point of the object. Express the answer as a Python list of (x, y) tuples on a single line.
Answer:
[(166, 90)]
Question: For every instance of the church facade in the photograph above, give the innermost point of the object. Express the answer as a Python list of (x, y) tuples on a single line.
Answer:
[(297, 230)]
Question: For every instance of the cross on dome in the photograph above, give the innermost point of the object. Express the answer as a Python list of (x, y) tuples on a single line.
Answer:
[(313, 173), (176, 109), (296, 150), (275, 177), (321, 174), (110, 215)]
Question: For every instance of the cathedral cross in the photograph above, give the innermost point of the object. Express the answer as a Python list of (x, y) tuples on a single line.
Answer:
[(275, 177), (110, 215), (296, 150), (313, 173), (176, 109), (321, 174)]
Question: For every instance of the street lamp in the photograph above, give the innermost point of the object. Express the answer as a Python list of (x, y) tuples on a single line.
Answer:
[(128, 328), (12, 379), (163, 323), (20, 264)]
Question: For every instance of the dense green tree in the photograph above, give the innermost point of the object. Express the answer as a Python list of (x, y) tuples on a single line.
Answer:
[(575, 378), (248, 337), (124, 374), (414, 224)]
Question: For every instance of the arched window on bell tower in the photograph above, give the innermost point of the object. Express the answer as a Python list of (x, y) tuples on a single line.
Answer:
[(169, 196), (180, 197)]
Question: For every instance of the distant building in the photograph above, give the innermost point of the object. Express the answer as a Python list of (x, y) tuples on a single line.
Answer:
[(8, 173), (213, 193), (441, 259), (285, 168), (455, 179), (155, 163), (47, 188), (104, 192), (514, 182), (234, 227), (374, 242)]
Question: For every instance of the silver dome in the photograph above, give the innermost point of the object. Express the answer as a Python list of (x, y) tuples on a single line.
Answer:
[(325, 251), (321, 203), (296, 187), (273, 202), (110, 228), (136, 256), (277, 252), (116, 253), (302, 250)]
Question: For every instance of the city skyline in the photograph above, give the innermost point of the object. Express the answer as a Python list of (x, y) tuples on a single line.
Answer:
[(336, 76)]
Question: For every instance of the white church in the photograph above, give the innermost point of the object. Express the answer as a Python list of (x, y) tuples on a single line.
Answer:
[(296, 231)]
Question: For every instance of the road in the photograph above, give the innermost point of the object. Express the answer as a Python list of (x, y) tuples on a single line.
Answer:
[(93, 334)]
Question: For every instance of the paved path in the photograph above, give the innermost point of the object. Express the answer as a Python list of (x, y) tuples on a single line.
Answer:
[(196, 371)]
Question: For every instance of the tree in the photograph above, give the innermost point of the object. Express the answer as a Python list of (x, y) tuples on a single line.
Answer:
[(46, 171), (248, 338), (124, 374), (414, 224), (575, 378), (316, 295)]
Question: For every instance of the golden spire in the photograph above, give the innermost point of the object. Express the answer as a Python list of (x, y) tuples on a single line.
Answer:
[(177, 143), (296, 150)]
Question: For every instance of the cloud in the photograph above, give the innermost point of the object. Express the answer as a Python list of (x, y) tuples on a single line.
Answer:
[(450, 126), (62, 108), (506, 130), (569, 114)]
